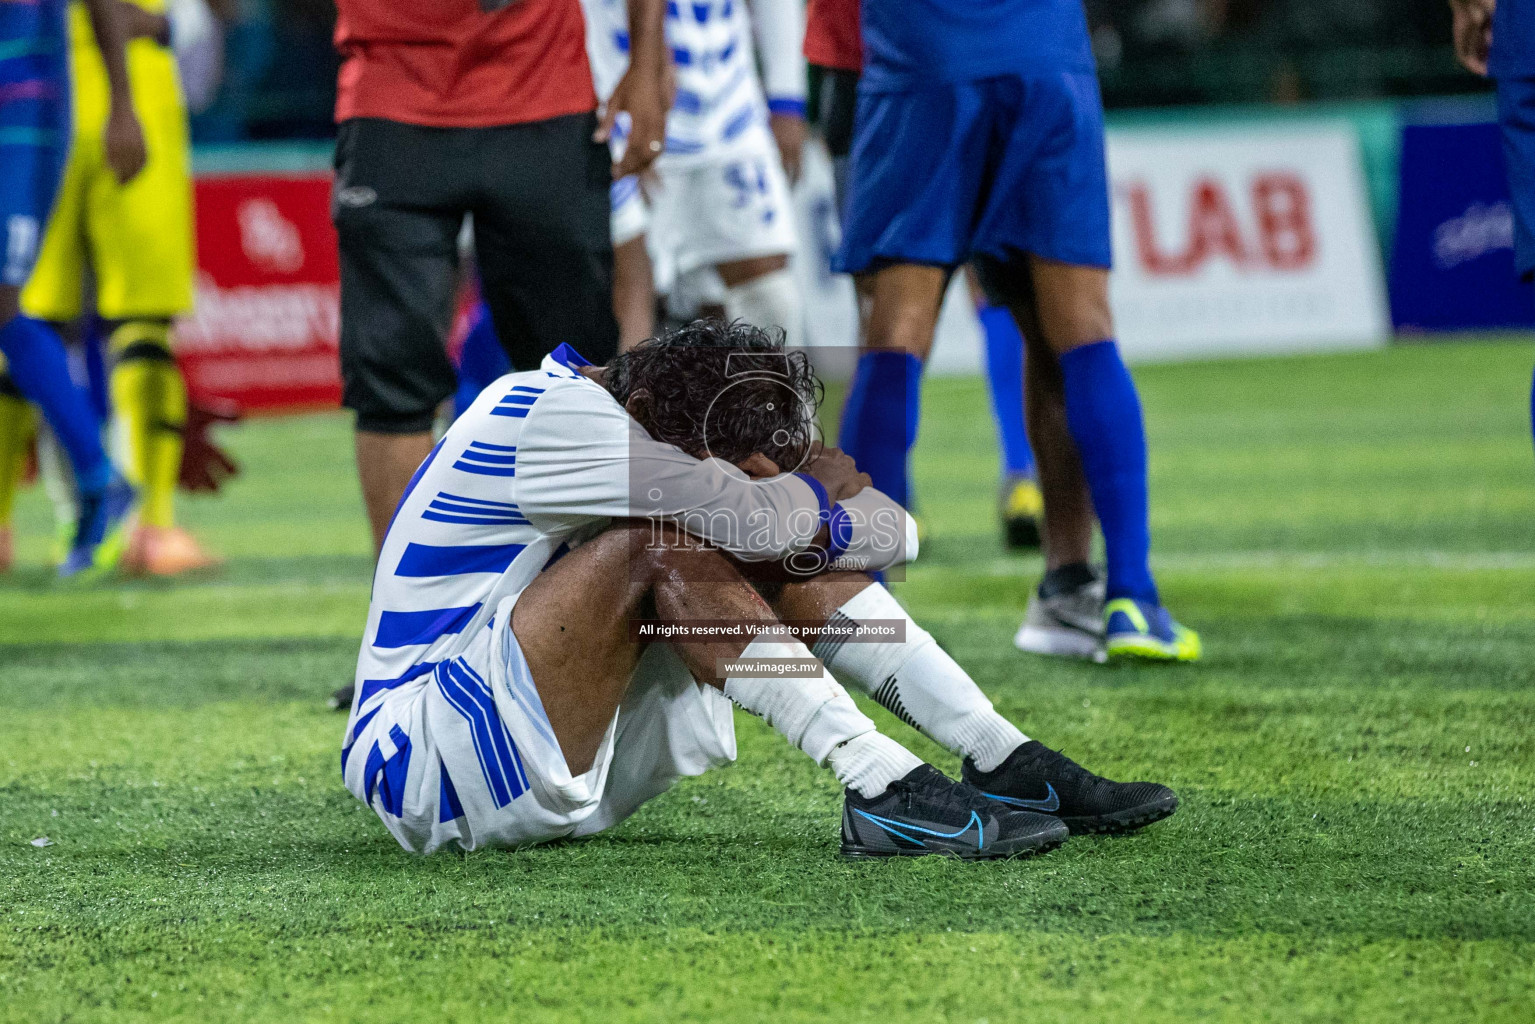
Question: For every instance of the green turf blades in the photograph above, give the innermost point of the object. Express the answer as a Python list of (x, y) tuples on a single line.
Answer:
[(1350, 534)]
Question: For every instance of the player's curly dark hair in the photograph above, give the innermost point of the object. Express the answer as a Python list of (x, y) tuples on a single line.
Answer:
[(721, 389)]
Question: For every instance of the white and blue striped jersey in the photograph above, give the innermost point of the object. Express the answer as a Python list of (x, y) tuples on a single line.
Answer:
[(720, 109), (539, 463)]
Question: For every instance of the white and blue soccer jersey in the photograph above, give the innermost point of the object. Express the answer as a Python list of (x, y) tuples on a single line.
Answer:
[(720, 108), (719, 193), (447, 739)]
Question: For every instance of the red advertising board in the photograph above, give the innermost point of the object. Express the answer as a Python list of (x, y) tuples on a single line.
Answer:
[(264, 334)]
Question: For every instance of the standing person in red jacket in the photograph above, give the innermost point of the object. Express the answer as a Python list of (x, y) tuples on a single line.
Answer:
[(482, 107)]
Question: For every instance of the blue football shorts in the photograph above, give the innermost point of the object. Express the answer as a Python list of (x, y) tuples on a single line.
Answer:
[(1516, 116), (998, 167)]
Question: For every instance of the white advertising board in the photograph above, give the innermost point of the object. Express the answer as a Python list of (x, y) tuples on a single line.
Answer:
[(1233, 239), (1244, 239)]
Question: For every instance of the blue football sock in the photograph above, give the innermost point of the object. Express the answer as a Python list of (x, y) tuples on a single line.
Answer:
[(879, 421), (1103, 413), (40, 368), (1004, 372), (480, 361)]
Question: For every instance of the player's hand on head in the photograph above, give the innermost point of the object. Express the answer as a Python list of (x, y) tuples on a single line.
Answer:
[(790, 133), (1472, 31), (123, 140), (643, 98), (836, 471)]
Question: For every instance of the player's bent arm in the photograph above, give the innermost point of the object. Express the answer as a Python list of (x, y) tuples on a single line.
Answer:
[(643, 91), (779, 26), (123, 138), (870, 532), (583, 456)]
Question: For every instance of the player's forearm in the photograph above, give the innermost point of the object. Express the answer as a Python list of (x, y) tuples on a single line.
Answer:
[(647, 39), (111, 31), (870, 532), (779, 26)]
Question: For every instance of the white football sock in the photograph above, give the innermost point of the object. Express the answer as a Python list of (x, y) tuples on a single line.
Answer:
[(771, 300), (918, 682), (818, 717)]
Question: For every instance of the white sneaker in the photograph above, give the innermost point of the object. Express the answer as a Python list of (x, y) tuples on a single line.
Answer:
[(1065, 625)]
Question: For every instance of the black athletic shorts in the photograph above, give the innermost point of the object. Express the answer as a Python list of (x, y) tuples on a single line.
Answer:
[(839, 100), (539, 196)]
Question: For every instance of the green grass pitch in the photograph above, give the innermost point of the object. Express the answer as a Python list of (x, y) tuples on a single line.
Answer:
[(1352, 534)]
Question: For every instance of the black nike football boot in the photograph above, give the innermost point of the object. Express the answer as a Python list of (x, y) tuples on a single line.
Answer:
[(1036, 778), (928, 812)]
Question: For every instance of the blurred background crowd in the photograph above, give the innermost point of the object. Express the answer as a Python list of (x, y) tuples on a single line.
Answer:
[(280, 75)]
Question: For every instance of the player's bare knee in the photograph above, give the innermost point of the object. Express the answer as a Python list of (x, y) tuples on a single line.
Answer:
[(657, 550), (1073, 303), (738, 272)]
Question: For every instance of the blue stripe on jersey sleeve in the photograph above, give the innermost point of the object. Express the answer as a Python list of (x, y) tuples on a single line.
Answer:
[(455, 508), (479, 470), (488, 459), (483, 459), (431, 560), (409, 629)]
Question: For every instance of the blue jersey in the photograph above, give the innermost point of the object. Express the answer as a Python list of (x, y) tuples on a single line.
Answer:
[(909, 44), (1513, 40)]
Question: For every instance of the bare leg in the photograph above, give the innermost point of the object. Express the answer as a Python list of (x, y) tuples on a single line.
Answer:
[(738, 272), (1068, 526), (904, 301), (1071, 307), (1068, 505), (572, 624), (761, 291), (385, 464), (634, 297)]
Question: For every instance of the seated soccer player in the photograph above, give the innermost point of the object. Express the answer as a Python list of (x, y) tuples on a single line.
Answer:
[(508, 691)]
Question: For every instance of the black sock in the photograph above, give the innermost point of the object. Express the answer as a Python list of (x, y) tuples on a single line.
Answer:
[(1064, 578)]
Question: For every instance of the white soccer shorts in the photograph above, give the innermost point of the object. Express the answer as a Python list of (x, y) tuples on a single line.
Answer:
[(703, 214), (465, 754)]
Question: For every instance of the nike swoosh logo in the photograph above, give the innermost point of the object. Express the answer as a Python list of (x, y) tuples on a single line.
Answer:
[(1049, 803), (900, 828), (1095, 629)]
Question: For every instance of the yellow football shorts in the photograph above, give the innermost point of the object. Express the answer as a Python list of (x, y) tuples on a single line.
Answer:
[(136, 239)]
